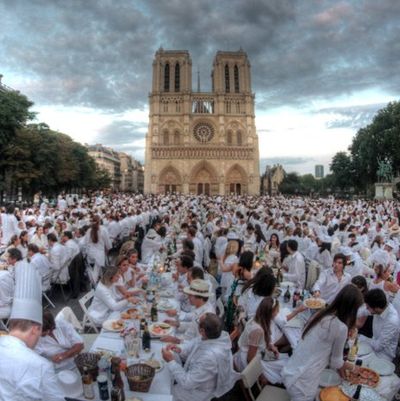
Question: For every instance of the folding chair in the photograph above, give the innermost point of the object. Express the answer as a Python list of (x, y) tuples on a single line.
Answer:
[(46, 287), (220, 308), (3, 326), (250, 376), (87, 321)]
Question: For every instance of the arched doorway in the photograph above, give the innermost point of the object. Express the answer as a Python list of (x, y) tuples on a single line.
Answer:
[(236, 181), (169, 181), (203, 180)]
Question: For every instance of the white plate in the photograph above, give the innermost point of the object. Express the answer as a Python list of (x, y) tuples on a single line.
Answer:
[(364, 349), (381, 366), (367, 394), (165, 305), (329, 378), (108, 325), (166, 332)]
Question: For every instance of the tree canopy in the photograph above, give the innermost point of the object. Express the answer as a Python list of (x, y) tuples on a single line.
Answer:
[(37, 158)]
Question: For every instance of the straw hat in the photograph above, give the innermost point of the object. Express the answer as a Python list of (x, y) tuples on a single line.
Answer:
[(199, 288), (395, 229), (70, 383)]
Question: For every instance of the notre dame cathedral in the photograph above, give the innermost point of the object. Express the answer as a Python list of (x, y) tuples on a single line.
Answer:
[(201, 142)]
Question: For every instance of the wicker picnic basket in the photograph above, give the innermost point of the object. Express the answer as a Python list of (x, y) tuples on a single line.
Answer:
[(88, 360), (140, 377)]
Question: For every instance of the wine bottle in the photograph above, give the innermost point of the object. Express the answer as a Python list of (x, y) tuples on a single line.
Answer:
[(146, 339), (286, 296), (88, 387), (154, 312)]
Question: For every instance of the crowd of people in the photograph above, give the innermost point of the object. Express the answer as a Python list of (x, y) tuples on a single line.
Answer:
[(233, 259)]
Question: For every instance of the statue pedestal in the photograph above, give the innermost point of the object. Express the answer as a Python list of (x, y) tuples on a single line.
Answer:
[(383, 190)]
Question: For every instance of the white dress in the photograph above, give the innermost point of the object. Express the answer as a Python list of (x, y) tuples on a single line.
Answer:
[(249, 302), (97, 251), (66, 337), (227, 278), (253, 335), (25, 375), (322, 346)]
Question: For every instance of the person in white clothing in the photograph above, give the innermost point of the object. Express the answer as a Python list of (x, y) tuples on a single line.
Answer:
[(207, 368), (228, 263), (60, 258), (296, 267), (151, 244), (24, 374), (331, 281), (198, 293), (97, 244), (321, 345), (41, 263), (104, 301), (385, 324), (6, 293), (9, 225), (59, 342)]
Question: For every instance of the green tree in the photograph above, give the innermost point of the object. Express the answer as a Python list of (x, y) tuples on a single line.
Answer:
[(377, 141), (291, 184), (342, 171), (14, 113)]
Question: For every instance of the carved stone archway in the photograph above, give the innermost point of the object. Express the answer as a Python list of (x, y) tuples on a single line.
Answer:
[(169, 180), (236, 181), (203, 179)]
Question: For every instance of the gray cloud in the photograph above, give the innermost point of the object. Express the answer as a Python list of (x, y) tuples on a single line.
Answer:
[(99, 53), (121, 132), (354, 117)]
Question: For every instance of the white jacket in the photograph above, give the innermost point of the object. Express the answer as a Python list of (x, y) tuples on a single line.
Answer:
[(104, 303), (25, 375), (207, 371)]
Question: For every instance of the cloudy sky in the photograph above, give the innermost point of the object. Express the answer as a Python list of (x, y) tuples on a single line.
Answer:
[(320, 68)]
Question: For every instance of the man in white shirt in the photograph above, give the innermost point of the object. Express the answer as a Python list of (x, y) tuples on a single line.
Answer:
[(385, 324), (9, 225), (331, 281), (207, 370), (296, 269), (6, 292), (59, 257), (198, 293), (25, 375), (41, 263)]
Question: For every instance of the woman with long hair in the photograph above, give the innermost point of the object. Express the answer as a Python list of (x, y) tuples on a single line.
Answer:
[(105, 300), (97, 243), (322, 344), (272, 250), (40, 239), (227, 263), (23, 243), (255, 290)]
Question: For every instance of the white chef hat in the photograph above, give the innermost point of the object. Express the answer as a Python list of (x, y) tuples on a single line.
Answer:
[(27, 304)]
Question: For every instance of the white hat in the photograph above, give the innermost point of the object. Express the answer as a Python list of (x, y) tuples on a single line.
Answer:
[(70, 383), (151, 234), (198, 287), (390, 244), (346, 251), (27, 304)]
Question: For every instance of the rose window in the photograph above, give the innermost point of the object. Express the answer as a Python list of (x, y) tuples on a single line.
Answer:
[(203, 132)]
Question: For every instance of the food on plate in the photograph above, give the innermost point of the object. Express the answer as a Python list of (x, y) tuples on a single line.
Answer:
[(160, 329), (117, 325), (154, 363), (314, 303), (332, 394), (362, 375), (125, 315)]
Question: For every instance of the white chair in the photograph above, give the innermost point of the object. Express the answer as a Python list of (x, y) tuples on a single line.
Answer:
[(68, 315), (87, 321), (220, 308), (46, 286), (250, 376)]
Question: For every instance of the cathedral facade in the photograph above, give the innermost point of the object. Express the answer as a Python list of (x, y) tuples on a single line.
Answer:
[(201, 142)]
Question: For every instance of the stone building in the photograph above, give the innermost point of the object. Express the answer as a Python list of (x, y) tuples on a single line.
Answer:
[(271, 179), (107, 159), (201, 142)]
